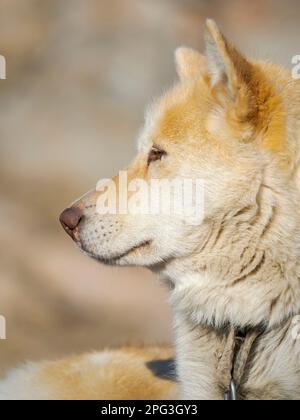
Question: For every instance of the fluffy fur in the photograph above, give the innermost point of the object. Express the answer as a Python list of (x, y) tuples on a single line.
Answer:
[(235, 123), (113, 374)]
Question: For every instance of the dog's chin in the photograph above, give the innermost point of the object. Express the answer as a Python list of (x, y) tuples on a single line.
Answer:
[(135, 256)]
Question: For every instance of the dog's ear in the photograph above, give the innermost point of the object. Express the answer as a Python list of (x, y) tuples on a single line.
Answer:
[(231, 75), (190, 63)]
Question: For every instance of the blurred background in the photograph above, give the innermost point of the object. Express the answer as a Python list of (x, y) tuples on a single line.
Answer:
[(78, 76)]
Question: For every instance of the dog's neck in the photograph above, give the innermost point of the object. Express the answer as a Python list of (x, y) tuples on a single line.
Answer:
[(245, 273), (246, 270), (199, 351)]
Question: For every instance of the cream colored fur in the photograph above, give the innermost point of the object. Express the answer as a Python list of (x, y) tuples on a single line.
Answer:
[(235, 124)]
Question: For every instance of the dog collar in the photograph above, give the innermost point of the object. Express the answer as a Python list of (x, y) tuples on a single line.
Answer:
[(233, 358)]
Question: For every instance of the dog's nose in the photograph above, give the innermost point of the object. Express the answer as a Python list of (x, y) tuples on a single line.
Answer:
[(70, 219)]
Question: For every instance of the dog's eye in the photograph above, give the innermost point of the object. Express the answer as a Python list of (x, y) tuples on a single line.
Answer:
[(155, 154)]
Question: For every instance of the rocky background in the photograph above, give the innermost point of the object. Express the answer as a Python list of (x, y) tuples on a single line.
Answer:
[(78, 76)]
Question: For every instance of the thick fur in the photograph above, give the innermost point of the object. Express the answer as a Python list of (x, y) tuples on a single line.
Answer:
[(122, 374), (235, 123)]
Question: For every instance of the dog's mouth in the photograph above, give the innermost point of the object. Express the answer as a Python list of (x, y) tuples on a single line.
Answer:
[(115, 259)]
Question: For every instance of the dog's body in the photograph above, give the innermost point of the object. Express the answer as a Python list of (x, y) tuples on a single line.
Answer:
[(124, 374), (236, 125)]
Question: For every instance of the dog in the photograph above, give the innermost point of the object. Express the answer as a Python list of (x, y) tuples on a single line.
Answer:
[(234, 276)]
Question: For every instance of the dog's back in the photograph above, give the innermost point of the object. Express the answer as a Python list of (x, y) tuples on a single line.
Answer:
[(128, 373)]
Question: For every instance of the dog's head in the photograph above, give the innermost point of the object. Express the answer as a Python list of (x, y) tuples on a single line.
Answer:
[(223, 124)]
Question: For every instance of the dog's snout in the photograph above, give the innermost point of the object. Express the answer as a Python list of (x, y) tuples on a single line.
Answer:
[(70, 219)]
